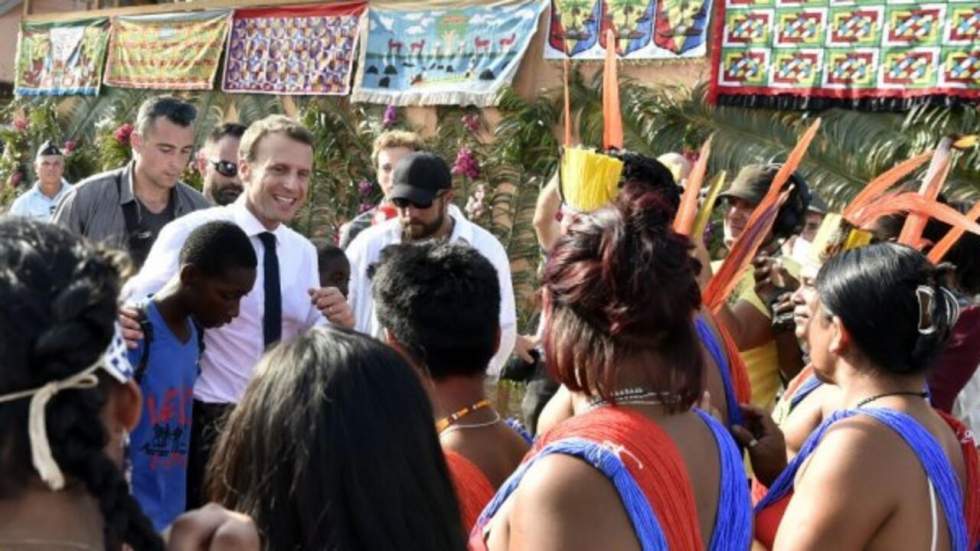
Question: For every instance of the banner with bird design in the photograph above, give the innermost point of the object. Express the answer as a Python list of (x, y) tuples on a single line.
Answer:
[(873, 54), (60, 59), (463, 53), (305, 50), (643, 29)]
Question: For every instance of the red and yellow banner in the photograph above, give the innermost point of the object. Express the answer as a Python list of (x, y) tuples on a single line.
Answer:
[(167, 52)]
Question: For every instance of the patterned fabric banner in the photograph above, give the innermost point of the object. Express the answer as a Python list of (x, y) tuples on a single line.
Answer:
[(299, 50), (60, 59), (876, 54), (167, 52), (645, 29), (451, 56)]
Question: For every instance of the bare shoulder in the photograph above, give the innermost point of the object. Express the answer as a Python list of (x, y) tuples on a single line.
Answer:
[(565, 503), (842, 457)]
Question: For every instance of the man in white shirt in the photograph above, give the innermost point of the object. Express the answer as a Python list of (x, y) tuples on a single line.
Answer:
[(422, 193), (275, 162), (40, 201)]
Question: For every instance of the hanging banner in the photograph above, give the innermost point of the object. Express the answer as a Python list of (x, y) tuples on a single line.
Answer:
[(873, 54), (644, 29), (460, 55), (60, 59), (166, 52), (293, 50)]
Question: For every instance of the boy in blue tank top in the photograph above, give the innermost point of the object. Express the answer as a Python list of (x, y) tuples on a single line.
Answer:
[(217, 268)]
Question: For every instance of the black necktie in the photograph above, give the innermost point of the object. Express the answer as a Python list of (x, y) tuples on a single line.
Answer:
[(272, 318)]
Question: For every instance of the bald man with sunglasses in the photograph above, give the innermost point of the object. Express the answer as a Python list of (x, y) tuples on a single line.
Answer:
[(422, 194), (217, 162)]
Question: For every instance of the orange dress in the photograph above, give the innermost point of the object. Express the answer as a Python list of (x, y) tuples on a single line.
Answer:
[(473, 490)]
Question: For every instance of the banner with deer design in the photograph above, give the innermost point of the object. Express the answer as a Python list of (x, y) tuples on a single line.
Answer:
[(644, 29), (454, 54), (292, 50), (867, 54), (60, 59)]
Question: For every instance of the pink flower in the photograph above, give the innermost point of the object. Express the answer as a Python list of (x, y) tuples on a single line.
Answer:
[(364, 207), (365, 188), (466, 164), (471, 121), (20, 123), (122, 134), (16, 178), (69, 146), (390, 116)]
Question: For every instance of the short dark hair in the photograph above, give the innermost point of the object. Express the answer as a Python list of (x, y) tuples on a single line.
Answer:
[(224, 130), (333, 447), (328, 252), (873, 291), (173, 109), (442, 301), (646, 174), (216, 247)]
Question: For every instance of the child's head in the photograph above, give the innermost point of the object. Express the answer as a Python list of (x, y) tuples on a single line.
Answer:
[(217, 269), (334, 267)]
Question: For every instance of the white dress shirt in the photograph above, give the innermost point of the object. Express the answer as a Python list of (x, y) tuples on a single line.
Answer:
[(366, 250), (232, 351)]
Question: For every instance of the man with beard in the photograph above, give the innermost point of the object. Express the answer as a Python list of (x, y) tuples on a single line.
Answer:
[(218, 164), (422, 194)]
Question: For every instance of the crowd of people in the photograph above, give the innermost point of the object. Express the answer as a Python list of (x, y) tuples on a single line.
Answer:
[(185, 371)]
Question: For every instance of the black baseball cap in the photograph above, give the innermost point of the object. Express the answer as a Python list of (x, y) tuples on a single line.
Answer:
[(419, 177)]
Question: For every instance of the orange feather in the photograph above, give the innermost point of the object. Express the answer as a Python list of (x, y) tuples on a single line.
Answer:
[(935, 177), (688, 209), (568, 102), (741, 255), (612, 131), (914, 203), (952, 236), (883, 182), (757, 228)]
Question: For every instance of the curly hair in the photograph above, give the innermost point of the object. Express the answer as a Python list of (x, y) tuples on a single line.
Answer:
[(442, 301), (620, 286), (57, 310)]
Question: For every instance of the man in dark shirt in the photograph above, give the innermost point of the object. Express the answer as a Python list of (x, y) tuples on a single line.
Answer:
[(127, 207)]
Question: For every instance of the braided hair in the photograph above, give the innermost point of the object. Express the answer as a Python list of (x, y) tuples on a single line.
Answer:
[(57, 310)]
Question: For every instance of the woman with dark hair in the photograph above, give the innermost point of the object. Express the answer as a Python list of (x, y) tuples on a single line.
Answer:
[(67, 401), (639, 468), (887, 471), (333, 447)]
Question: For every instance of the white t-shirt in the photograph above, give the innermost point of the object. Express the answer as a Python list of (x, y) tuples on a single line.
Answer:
[(366, 250)]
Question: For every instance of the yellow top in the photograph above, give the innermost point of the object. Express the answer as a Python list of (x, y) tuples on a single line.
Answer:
[(761, 362)]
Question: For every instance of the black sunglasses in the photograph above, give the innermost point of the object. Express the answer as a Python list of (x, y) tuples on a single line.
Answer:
[(225, 168), (405, 203)]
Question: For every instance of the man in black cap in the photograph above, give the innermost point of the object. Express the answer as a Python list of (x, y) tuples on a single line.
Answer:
[(42, 198), (422, 194)]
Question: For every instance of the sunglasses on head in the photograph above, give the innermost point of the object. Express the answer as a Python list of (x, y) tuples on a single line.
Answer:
[(225, 168), (405, 203)]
